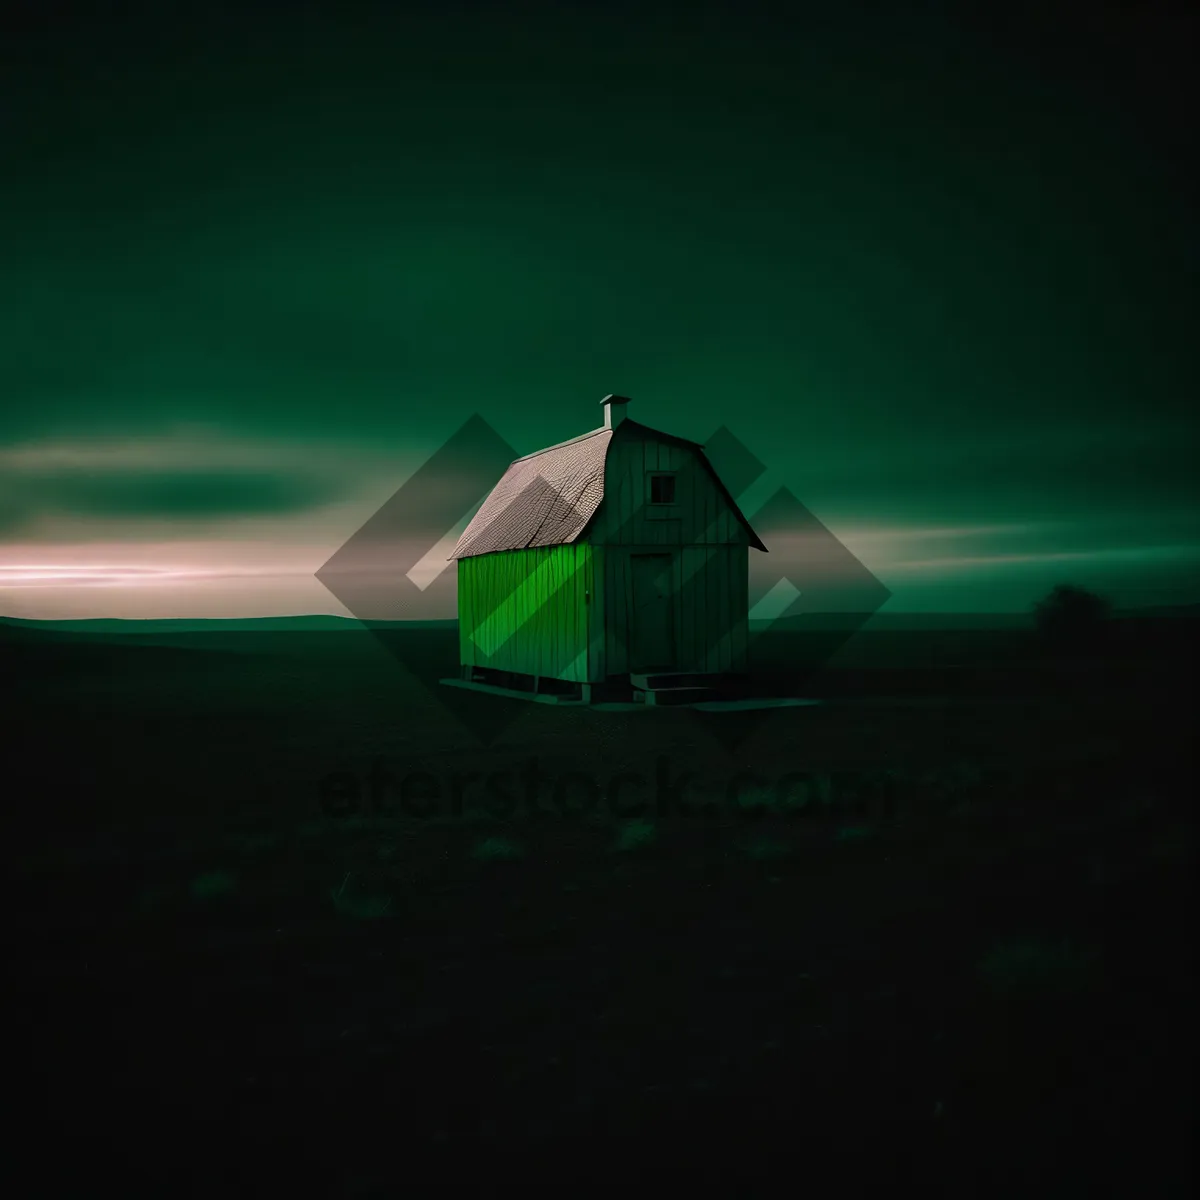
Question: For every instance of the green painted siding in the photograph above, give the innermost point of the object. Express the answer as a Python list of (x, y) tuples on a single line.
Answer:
[(529, 611)]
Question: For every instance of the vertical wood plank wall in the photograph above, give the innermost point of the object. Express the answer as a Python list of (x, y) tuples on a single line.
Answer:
[(711, 585), (526, 611), (699, 516)]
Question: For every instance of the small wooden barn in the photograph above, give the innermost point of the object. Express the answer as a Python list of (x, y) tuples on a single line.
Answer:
[(616, 555)]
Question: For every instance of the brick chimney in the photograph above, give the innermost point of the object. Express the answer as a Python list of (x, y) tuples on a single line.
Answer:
[(614, 410)]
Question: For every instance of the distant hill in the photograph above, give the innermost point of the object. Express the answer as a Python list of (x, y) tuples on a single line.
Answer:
[(310, 624), (945, 622), (318, 623), (896, 622), (1162, 610)]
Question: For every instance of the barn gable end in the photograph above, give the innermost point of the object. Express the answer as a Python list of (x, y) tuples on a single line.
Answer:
[(701, 511)]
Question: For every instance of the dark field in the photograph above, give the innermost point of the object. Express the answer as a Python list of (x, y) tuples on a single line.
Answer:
[(961, 958)]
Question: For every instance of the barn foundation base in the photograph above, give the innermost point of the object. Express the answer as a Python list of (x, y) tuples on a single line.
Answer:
[(618, 694), (523, 687), (643, 689), (659, 688), (492, 689)]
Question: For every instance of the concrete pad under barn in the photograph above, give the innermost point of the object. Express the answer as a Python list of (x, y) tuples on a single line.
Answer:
[(748, 704)]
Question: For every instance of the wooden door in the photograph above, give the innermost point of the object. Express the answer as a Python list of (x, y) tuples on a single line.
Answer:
[(652, 623)]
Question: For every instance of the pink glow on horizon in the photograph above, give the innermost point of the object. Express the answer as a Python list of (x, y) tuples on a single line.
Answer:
[(45, 575)]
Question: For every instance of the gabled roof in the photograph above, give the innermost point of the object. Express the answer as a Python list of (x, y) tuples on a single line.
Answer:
[(547, 498), (543, 499)]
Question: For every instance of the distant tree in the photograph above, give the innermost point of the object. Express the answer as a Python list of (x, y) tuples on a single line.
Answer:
[(1072, 618)]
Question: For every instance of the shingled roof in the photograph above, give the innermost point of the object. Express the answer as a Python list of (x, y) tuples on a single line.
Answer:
[(547, 498), (543, 499)]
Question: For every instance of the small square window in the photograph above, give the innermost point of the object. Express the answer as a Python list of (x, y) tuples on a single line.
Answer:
[(662, 489)]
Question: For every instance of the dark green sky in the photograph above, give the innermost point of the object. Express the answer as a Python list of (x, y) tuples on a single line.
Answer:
[(938, 274)]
